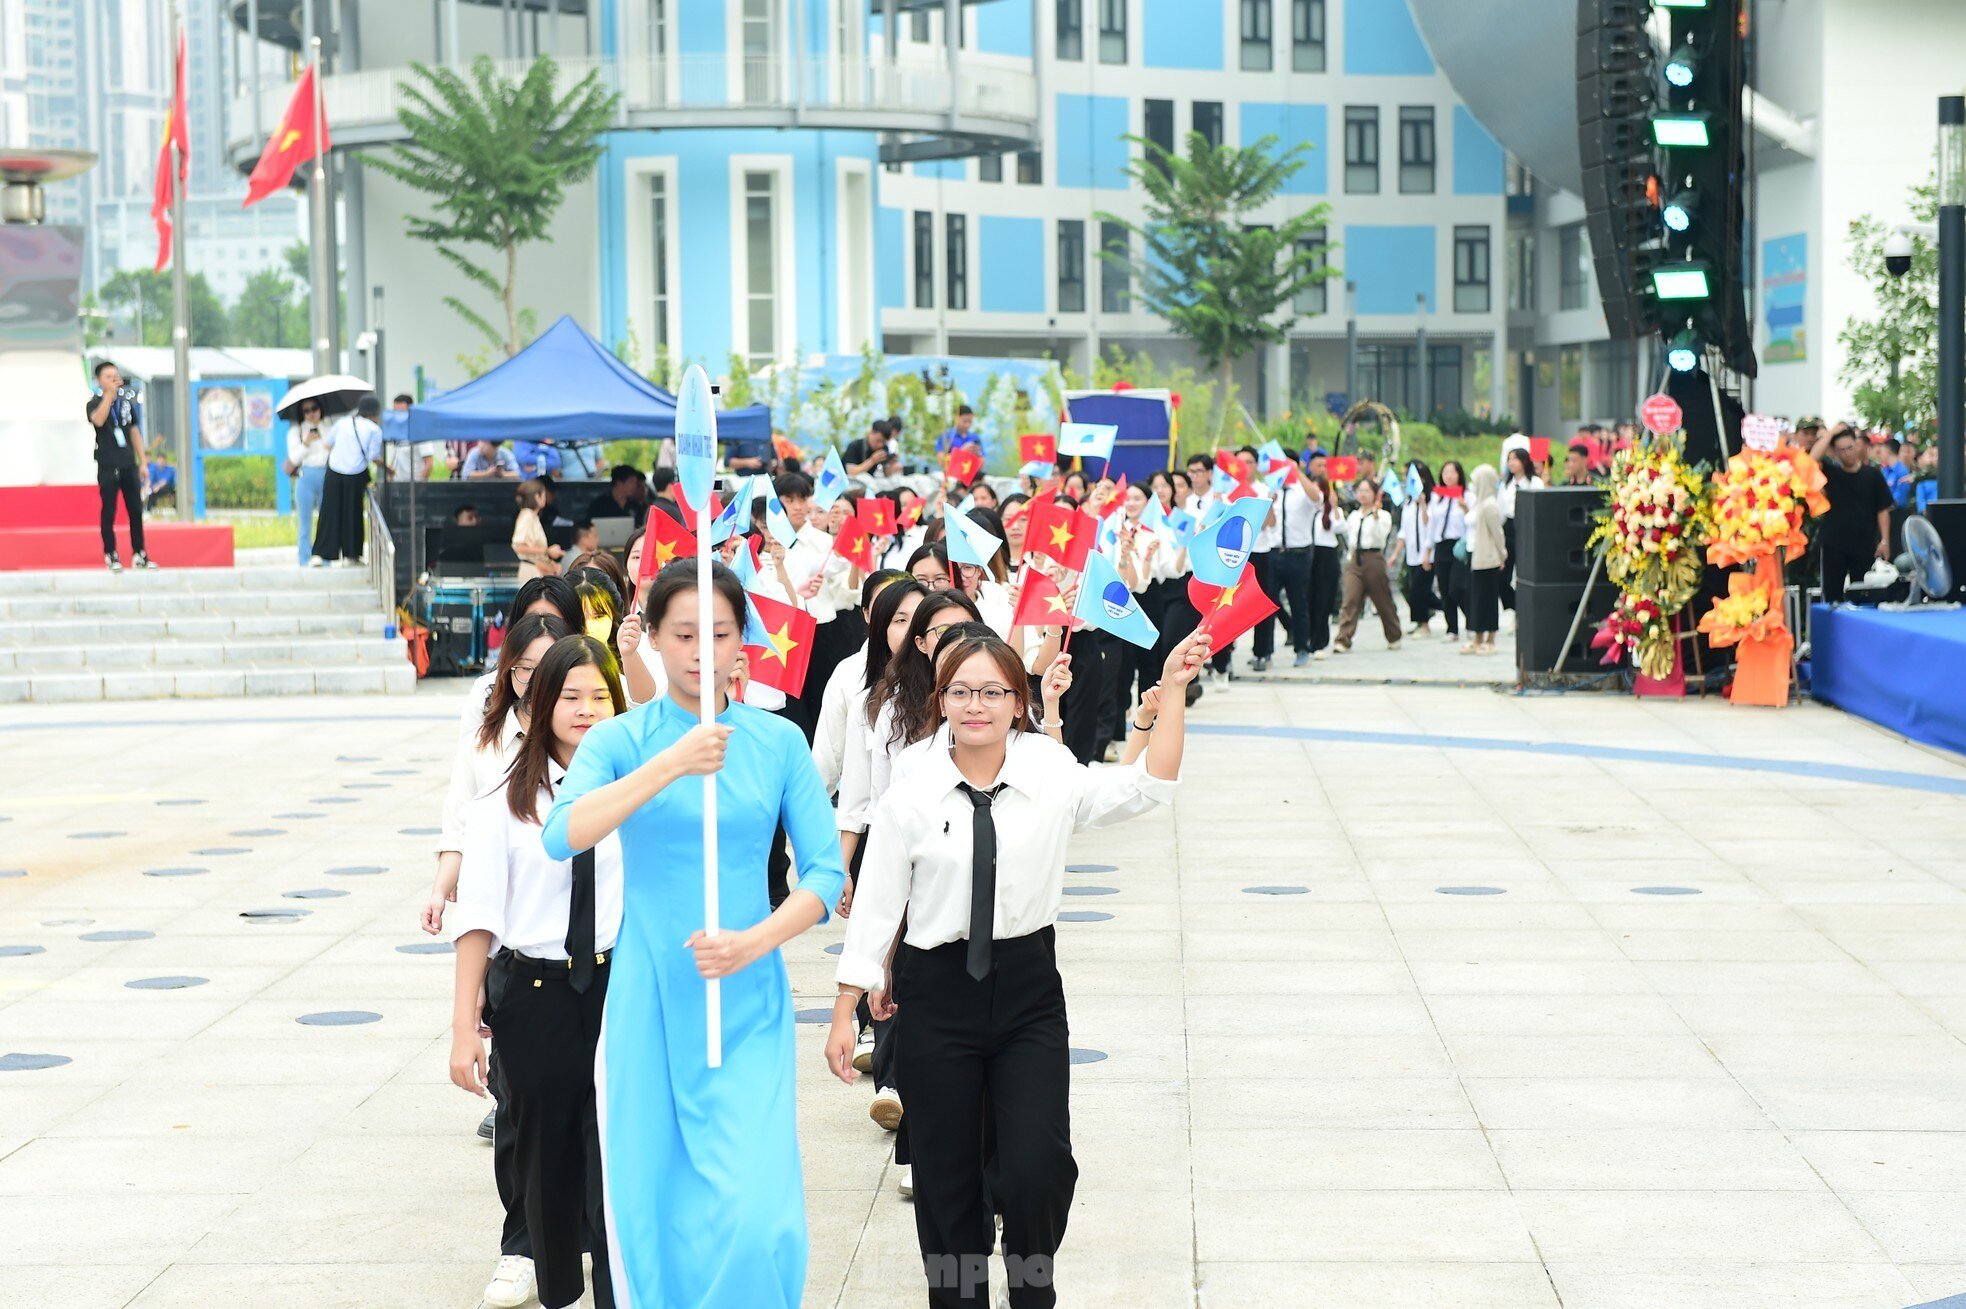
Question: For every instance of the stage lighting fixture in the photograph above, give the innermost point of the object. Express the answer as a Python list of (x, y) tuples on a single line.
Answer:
[(1685, 131), (1682, 65), (1683, 355), (1677, 213), (1691, 280)]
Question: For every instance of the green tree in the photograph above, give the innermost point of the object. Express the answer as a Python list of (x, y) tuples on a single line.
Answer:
[(1227, 284), (496, 157), (147, 297), (266, 313), (1889, 359)]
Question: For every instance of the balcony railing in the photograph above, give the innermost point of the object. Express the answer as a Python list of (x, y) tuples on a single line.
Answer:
[(987, 108)]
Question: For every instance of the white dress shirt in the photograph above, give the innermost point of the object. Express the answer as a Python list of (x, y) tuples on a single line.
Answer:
[(829, 732), (472, 776), (303, 453), (1296, 512), (509, 886), (356, 442), (919, 846), (1415, 530), (813, 554), (1448, 518), (1365, 531), (866, 762), (1506, 492), (993, 602)]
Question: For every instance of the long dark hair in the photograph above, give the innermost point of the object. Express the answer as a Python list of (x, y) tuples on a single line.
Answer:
[(530, 770), (517, 637), (967, 646), (601, 562), (554, 590), (1528, 464), (992, 522), (679, 577), (1327, 507), (886, 603), (908, 685), (1460, 473)]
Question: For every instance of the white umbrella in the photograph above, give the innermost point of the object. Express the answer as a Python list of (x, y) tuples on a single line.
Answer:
[(337, 393)]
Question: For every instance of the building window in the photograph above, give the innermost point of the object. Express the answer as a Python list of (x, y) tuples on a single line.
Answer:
[(658, 29), (1471, 270), (918, 25), (1444, 377), (1522, 272), (1307, 36), (1208, 120), (1071, 266), (955, 258), (1416, 150), (1573, 267), (1256, 57), (1115, 280), (989, 168), (758, 48), (924, 259), (1030, 167), (1112, 31), (1071, 29), (1159, 124), (659, 259), (1570, 383), (761, 266), (1361, 150), (1311, 299)]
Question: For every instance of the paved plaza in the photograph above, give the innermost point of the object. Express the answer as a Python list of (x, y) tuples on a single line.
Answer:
[(1420, 995)]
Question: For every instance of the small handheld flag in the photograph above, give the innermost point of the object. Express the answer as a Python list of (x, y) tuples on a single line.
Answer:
[(1105, 603), (781, 659), (1539, 449), (831, 483), (696, 450), (970, 542), (777, 521), (877, 515), (1414, 486), (1060, 532), (1447, 492), (1229, 611), (1041, 604), (1087, 440), (1038, 448), (667, 541), (855, 545), (1218, 553), (964, 465), (1341, 468), (734, 517)]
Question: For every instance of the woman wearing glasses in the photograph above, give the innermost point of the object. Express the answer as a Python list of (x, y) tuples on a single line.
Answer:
[(970, 842)]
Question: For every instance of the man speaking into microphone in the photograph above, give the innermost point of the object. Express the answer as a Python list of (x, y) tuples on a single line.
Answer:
[(120, 464)]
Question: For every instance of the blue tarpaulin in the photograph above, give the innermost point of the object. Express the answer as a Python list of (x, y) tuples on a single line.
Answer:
[(566, 386), (1898, 669), (1145, 419)]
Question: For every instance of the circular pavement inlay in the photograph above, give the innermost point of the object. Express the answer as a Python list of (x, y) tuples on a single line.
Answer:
[(836, 947), (365, 786), (420, 831), (1083, 916), (1469, 890), (18, 951), (339, 1018), (356, 759), (13, 872), (1665, 890), (1084, 1056), (174, 872), (1091, 868), (812, 1017), (395, 772), (296, 816), (274, 915), (165, 983), (260, 831), (68, 922), (314, 893), (1092, 890), (357, 870), (180, 801), (1276, 890), (427, 947), (333, 799), (93, 836), (118, 934), (29, 1063), (212, 850)]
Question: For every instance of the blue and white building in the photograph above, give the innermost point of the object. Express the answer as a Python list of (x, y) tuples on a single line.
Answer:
[(797, 176)]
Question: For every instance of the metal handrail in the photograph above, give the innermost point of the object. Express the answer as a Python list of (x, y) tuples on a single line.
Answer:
[(381, 555)]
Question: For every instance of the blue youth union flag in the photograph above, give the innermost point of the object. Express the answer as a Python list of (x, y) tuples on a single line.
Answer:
[(696, 437), (1087, 440), (777, 521), (832, 481), (1105, 603), (1218, 553), (968, 541)]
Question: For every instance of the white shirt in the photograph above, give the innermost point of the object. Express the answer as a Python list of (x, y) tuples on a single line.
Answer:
[(509, 886), (918, 848), (303, 453), (1365, 531), (993, 602), (1505, 493), (356, 443), (829, 733), (866, 762), (1296, 514), (474, 771), (813, 554), (1447, 517), (1414, 531)]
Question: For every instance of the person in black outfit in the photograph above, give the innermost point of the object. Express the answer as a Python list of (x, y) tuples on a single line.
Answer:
[(626, 497), (120, 465), (1857, 528)]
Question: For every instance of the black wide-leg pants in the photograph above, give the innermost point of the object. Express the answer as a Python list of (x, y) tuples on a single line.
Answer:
[(546, 1033), (993, 1053)]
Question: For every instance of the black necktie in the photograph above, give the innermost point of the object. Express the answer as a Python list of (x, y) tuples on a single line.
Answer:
[(580, 923), (982, 880)]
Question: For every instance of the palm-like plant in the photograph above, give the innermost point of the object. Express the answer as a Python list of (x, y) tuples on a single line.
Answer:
[(496, 155), (1224, 283)]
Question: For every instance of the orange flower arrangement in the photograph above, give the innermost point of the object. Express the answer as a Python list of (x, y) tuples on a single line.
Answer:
[(1744, 614), (1759, 504)]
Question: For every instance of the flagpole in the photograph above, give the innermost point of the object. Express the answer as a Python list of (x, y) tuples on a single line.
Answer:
[(695, 449), (320, 215), (180, 294)]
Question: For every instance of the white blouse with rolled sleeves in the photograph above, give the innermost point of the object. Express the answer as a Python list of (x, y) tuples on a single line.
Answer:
[(509, 886), (474, 771), (919, 845)]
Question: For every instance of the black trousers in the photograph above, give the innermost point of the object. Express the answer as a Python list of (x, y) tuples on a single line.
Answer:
[(1264, 643), (1448, 582), (1841, 562), (1325, 572), (1095, 667), (546, 1033), (514, 1237), (120, 479), (987, 1054), (338, 530), (1484, 600), (1291, 575)]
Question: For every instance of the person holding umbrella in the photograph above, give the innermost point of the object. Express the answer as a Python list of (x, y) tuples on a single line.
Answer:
[(355, 444), (307, 464)]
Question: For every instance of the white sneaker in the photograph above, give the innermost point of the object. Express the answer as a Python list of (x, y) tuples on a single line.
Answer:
[(315, 561), (863, 1051), (907, 1183), (512, 1283), (886, 1109)]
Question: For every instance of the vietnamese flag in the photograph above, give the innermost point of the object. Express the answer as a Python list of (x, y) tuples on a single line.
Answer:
[(1115, 500), (1539, 449), (913, 513), (163, 187), (876, 514), (1038, 448), (1449, 492), (301, 135), (855, 545), (667, 541), (1062, 533), (782, 660), (1041, 604), (1229, 611), (963, 465)]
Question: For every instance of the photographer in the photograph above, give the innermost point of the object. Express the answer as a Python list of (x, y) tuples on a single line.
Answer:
[(120, 465)]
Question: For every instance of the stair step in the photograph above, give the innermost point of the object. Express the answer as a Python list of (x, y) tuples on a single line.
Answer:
[(110, 604), (75, 631), (171, 656), (201, 580), (275, 678)]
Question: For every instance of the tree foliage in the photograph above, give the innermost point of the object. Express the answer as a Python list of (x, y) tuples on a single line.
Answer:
[(1224, 282), (268, 313), (147, 297), (496, 156), (1890, 359)]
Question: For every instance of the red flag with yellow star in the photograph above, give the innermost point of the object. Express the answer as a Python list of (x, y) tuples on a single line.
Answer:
[(171, 174), (855, 545), (1061, 532), (302, 134), (667, 541), (1041, 604), (1229, 611), (781, 662)]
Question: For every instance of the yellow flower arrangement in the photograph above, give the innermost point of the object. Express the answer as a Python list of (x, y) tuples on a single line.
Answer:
[(1759, 503), (1655, 521), (1743, 614)]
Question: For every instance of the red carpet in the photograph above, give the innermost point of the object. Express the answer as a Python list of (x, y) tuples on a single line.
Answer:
[(56, 527)]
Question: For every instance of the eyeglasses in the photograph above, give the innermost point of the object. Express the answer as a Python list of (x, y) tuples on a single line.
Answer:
[(960, 695), (940, 628)]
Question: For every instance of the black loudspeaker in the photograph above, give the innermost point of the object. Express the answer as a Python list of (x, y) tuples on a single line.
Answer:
[(1949, 516), (1552, 524), (1543, 613)]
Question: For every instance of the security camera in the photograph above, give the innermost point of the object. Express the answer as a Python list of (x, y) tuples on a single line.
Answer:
[(1897, 253)]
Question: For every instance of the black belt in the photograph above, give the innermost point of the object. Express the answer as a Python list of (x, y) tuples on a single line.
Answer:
[(524, 965), (1295, 549)]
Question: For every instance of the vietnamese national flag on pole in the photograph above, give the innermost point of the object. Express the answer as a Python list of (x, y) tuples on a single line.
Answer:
[(1038, 448), (1062, 533), (301, 135), (781, 660), (963, 465), (1041, 604), (666, 542), (177, 132), (876, 515), (1113, 501), (855, 545), (1229, 611)]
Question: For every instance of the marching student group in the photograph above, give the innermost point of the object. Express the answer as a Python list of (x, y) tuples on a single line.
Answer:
[(913, 703)]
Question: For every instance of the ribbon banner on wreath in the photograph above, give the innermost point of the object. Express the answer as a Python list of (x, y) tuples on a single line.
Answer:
[(1653, 524), (1760, 501)]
